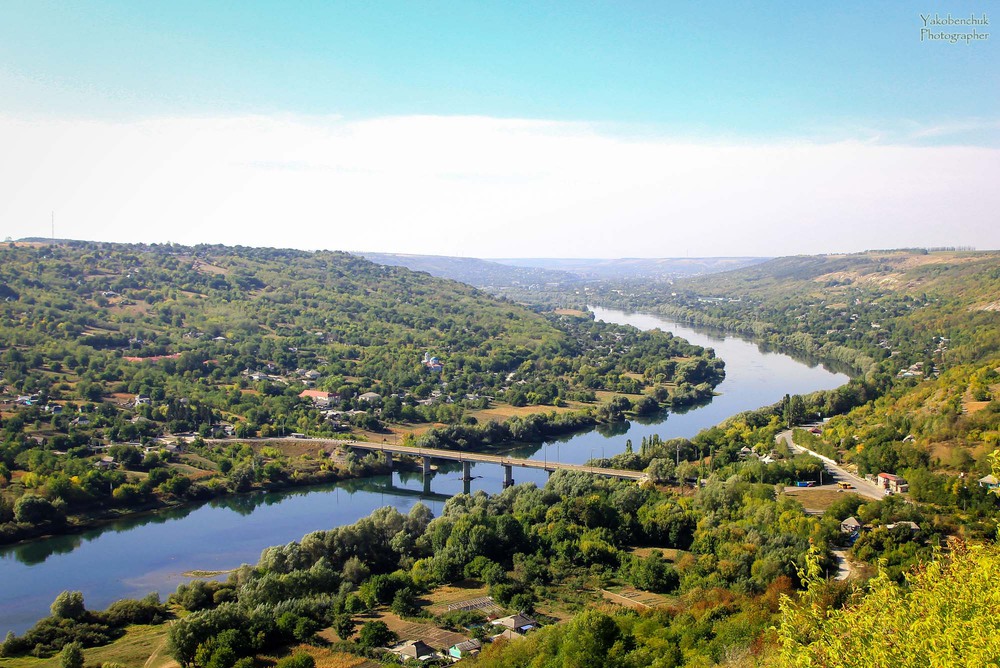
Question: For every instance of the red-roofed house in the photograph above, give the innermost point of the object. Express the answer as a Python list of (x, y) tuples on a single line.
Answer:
[(891, 482), (318, 397)]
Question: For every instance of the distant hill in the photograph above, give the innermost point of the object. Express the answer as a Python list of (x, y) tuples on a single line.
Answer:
[(636, 268), (472, 271), (525, 272)]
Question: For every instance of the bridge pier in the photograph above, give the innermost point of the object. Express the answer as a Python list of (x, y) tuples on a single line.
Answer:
[(467, 486), (427, 465), (466, 471), (508, 475), (387, 456), (427, 485)]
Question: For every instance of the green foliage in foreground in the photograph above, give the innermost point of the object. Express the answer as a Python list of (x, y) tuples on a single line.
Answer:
[(708, 627), (738, 543), (946, 616)]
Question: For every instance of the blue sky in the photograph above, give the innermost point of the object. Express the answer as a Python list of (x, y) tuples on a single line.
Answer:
[(667, 76)]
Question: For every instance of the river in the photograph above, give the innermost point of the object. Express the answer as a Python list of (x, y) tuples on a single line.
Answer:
[(133, 557)]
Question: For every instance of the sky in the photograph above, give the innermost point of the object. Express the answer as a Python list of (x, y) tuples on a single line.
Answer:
[(504, 129)]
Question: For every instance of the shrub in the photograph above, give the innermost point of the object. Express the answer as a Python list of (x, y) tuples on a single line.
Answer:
[(71, 656), (68, 605), (300, 660), (375, 634)]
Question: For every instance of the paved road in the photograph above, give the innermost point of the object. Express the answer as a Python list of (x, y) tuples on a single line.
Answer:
[(836, 472)]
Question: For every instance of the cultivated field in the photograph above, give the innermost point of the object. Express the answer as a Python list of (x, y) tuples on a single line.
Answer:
[(430, 634), (633, 598), (443, 597)]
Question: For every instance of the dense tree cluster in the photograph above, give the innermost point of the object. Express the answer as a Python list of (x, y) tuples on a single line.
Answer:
[(525, 544)]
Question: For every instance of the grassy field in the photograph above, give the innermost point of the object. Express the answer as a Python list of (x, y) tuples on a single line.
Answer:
[(501, 412), (140, 647), (669, 553), (327, 658), (291, 448), (815, 499)]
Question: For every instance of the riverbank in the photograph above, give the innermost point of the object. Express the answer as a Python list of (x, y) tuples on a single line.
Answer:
[(102, 516), (488, 438)]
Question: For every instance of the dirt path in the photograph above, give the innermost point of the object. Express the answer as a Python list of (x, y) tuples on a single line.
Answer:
[(157, 660), (843, 565)]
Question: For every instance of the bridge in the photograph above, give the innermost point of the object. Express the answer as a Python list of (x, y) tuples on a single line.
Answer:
[(465, 458)]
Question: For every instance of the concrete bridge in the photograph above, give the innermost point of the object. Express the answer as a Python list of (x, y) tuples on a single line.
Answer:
[(466, 458)]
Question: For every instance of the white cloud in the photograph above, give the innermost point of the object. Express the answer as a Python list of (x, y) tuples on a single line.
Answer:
[(484, 187)]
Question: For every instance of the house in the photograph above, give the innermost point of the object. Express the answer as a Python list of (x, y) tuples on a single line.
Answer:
[(912, 526), (519, 622), (989, 482), (106, 463), (507, 634), (463, 649), (850, 526), (414, 649), (319, 398), (892, 483), (370, 397), (432, 363)]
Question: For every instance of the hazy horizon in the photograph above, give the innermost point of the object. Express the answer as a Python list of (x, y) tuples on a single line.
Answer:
[(485, 130)]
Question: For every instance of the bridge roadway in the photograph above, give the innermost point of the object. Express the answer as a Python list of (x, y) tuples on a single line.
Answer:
[(426, 454), (466, 458)]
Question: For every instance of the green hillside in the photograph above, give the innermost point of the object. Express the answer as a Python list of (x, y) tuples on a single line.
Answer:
[(110, 344)]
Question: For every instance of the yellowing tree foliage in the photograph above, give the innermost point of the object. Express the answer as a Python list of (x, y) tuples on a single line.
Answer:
[(948, 615)]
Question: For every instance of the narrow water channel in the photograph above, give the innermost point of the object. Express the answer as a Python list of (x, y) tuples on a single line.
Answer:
[(133, 557)]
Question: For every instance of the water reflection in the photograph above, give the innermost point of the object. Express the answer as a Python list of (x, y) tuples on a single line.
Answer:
[(38, 551)]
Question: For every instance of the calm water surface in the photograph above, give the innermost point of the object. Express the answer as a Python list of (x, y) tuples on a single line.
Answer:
[(133, 557)]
